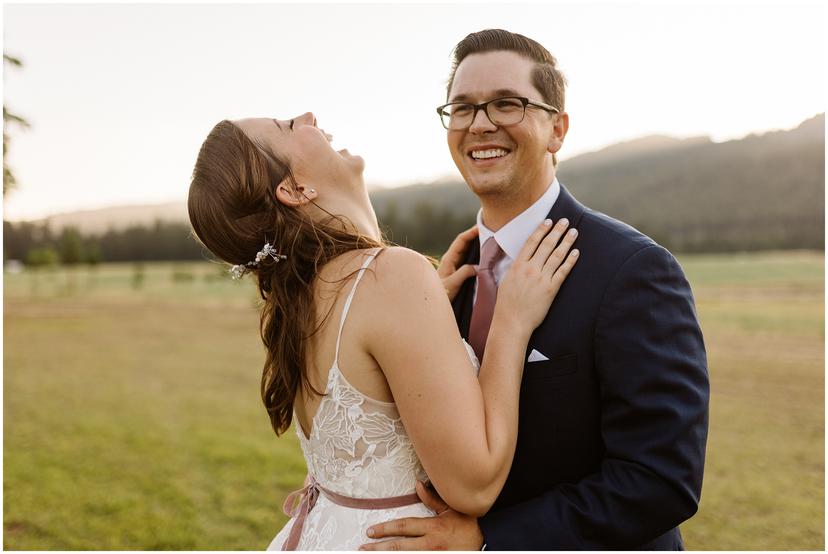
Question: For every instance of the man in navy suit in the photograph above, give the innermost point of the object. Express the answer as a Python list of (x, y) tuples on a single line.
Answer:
[(614, 400)]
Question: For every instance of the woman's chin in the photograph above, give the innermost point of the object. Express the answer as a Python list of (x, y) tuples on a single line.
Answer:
[(354, 158), (357, 164)]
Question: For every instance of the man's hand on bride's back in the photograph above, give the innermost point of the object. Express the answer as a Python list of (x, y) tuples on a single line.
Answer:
[(448, 530), (535, 277), (453, 276)]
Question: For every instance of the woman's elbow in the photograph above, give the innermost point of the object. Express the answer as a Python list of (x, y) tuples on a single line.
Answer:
[(474, 491), (475, 502)]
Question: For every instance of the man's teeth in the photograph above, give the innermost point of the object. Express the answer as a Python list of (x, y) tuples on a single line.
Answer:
[(483, 154)]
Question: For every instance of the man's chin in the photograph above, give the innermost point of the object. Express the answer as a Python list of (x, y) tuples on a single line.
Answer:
[(485, 187)]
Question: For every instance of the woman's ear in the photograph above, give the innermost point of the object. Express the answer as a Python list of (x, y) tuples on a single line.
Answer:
[(294, 196)]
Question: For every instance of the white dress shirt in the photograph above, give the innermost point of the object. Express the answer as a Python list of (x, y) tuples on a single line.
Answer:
[(512, 236)]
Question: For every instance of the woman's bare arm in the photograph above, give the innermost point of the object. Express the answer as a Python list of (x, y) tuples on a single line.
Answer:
[(464, 429)]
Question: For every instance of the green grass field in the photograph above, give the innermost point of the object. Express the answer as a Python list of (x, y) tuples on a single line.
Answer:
[(133, 419)]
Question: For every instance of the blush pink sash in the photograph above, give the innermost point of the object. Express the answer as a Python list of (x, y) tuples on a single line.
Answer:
[(310, 494)]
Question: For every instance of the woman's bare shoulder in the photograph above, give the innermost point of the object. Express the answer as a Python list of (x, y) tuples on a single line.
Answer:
[(399, 269), (400, 256)]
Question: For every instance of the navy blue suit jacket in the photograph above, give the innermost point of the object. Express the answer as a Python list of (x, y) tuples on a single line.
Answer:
[(613, 427)]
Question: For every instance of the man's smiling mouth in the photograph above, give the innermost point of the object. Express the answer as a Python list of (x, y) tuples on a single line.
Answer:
[(488, 153)]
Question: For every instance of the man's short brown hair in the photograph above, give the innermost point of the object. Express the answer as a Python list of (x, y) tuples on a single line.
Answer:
[(546, 77)]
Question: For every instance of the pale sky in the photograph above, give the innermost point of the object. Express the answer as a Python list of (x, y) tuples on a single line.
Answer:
[(121, 96)]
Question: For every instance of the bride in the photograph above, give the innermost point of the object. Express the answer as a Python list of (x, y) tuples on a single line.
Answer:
[(362, 348)]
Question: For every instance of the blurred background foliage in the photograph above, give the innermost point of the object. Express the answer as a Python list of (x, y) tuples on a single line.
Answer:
[(10, 120)]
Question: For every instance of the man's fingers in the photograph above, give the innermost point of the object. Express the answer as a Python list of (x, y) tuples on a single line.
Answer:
[(396, 544), (406, 527), (430, 498)]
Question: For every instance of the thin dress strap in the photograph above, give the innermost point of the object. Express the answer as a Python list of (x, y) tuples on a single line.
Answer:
[(348, 303)]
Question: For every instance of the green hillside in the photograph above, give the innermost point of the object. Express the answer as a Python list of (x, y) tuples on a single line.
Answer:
[(758, 193)]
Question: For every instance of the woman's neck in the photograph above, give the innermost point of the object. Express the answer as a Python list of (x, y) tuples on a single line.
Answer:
[(356, 215)]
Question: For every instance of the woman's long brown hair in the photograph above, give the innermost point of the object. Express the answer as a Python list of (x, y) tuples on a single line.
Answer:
[(233, 210)]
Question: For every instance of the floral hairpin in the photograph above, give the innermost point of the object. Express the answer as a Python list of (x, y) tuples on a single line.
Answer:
[(238, 270)]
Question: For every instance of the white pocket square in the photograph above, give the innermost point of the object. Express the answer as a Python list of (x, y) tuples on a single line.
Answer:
[(535, 356)]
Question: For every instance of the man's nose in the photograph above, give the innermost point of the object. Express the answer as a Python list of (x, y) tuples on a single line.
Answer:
[(481, 123)]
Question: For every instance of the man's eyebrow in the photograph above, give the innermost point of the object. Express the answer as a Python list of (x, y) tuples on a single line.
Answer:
[(277, 124), (499, 93)]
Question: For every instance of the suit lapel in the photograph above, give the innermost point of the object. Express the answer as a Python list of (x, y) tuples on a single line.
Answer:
[(566, 206), (464, 300)]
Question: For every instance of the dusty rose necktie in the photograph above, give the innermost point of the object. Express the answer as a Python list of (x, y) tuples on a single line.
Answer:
[(481, 318)]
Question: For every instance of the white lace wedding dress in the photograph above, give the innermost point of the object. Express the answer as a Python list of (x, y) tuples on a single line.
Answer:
[(357, 448)]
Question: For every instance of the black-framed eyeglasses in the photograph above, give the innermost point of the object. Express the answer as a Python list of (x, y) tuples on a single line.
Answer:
[(509, 110)]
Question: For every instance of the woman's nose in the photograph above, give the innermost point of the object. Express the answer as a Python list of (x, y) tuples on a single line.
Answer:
[(306, 118)]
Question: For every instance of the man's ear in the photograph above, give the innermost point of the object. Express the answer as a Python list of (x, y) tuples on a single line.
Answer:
[(294, 196), (556, 137)]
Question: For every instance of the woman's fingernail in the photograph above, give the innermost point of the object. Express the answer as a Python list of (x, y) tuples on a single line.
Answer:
[(547, 222), (573, 232), (563, 222), (370, 532), (575, 253)]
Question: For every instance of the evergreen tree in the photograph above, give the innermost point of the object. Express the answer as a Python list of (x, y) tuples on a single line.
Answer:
[(10, 118)]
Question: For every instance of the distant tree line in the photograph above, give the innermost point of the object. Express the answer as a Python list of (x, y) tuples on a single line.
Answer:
[(426, 228), (36, 244)]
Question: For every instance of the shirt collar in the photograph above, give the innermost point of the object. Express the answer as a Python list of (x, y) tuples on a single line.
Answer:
[(512, 236)]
